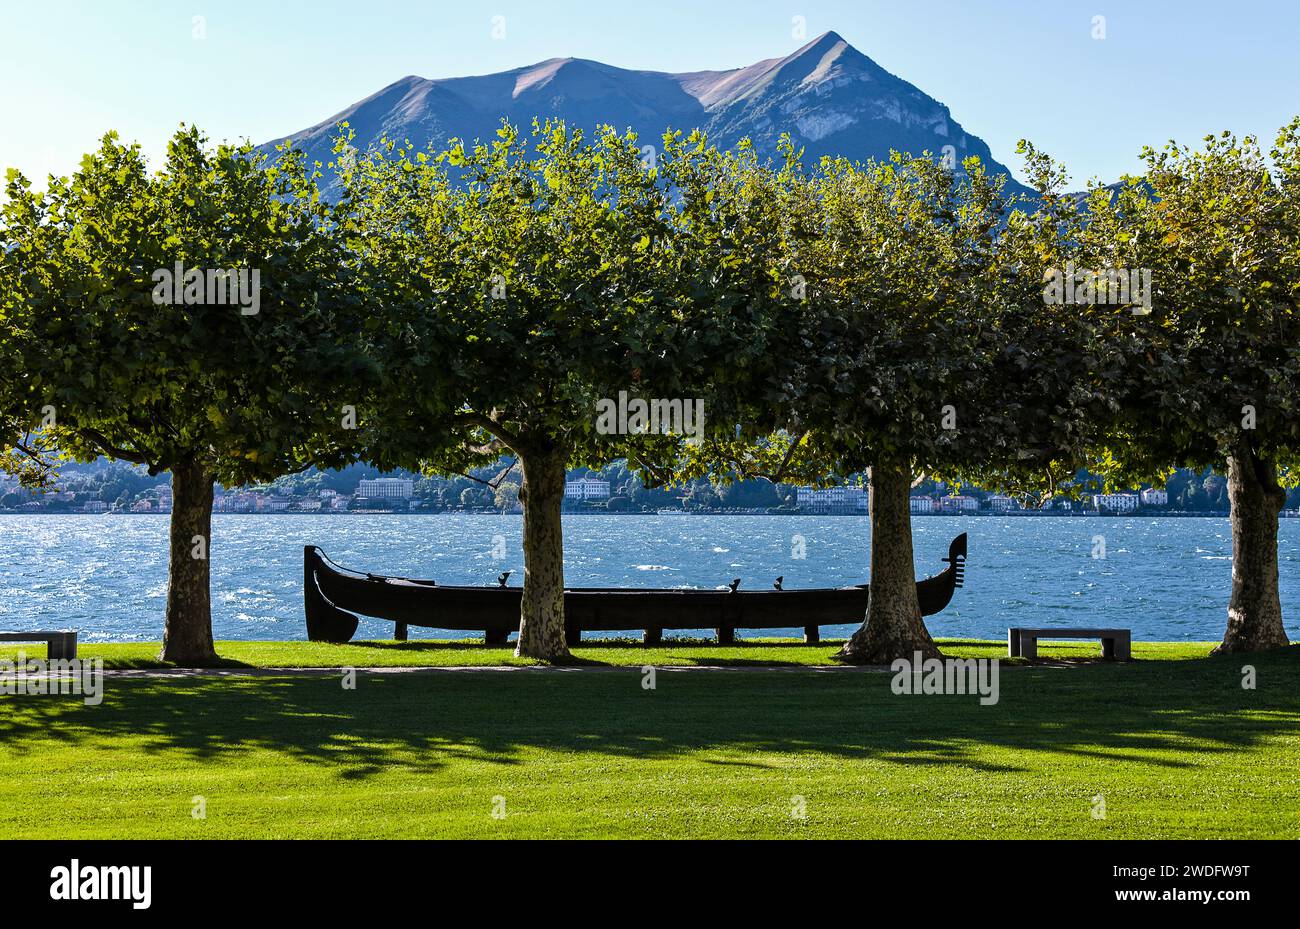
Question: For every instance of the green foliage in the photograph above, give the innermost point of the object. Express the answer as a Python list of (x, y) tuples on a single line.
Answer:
[(917, 333), (522, 281), (247, 396), (506, 496), (1215, 367)]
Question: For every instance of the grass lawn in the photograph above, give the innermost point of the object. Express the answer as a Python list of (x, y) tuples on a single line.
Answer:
[(1177, 748), (426, 653)]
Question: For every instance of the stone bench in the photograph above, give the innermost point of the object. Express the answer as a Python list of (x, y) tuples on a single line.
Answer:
[(1116, 644), (59, 645)]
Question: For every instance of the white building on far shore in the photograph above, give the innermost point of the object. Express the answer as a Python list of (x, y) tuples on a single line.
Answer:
[(844, 498), (959, 503), (1001, 504), (922, 504), (387, 488), (586, 488), (1115, 503), (1155, 497), (272, 503)]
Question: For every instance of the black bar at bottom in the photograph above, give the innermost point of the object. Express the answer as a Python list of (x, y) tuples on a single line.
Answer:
[(233, 878)]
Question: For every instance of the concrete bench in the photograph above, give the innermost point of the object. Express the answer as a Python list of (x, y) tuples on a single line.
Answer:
[(58, 644), (1116, 644)]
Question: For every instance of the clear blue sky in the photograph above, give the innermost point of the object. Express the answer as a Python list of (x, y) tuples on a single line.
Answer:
[(70, 69)]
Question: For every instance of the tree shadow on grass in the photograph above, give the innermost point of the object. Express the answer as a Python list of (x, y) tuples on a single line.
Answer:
[(1165, 714)]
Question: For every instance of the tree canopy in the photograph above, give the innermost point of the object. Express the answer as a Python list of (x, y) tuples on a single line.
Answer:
[(537, 288), (195, 320), (1212, 372)]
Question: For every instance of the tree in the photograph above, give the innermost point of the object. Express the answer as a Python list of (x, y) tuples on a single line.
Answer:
[(916, 343), (506, 496), (1216, 486), (196, 320), (900, 317), (524, 294), (874, 349), (1215, 365)]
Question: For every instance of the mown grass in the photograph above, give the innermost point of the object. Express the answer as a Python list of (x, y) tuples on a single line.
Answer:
[(425, 653), (1174, 749)]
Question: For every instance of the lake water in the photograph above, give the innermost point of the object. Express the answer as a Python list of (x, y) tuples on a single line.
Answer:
[(106, 576)]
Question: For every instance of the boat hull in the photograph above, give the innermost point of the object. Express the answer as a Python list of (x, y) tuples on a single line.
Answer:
[(335, 596)]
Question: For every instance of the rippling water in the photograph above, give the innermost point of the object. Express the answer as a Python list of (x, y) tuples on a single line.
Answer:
[(106, 576)]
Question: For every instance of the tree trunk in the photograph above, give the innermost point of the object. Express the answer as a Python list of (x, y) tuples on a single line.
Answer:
[(187, 627), (1255, 609), (541, 617), (893, 627)]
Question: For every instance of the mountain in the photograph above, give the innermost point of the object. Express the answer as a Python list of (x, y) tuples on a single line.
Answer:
[(831, 98)]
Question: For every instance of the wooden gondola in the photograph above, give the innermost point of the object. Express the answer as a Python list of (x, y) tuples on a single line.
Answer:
[(334, 596)]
